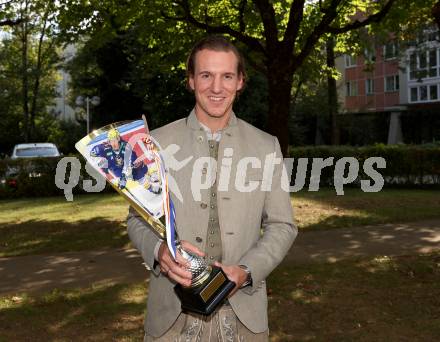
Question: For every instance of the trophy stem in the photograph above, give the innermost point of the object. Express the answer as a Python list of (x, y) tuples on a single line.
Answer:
[(198, 267)]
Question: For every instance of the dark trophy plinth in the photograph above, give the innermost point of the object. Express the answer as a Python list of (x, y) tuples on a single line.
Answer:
[(204, 298)]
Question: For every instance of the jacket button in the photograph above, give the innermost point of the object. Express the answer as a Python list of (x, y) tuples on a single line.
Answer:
[(203, 205), (199, 239)]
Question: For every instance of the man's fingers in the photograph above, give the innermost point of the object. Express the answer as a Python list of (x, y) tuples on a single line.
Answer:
[(181, 272), (181, 260), (191, 248), (178, 279)]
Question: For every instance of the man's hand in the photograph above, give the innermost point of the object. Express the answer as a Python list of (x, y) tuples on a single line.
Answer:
[(176, 269), (234, 273), (122, 182)]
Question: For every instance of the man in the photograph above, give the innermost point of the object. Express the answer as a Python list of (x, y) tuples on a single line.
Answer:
[(245, 232)]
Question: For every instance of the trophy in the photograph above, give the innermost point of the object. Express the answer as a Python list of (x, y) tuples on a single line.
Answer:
[(132, 162)]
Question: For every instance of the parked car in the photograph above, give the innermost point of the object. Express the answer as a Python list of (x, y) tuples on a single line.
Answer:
[(35, 150), (31, 150)]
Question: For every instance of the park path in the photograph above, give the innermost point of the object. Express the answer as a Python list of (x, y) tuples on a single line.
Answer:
[(42, 273)]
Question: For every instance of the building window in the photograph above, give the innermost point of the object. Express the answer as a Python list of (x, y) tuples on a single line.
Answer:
[(424, 93), (351, 88), (432, 63), (413, 66), (392, 83), (369, 86), (423, 65), (433, 93), (390, 50), (369, 55), (350, 61), (414, 94), (432, 36)]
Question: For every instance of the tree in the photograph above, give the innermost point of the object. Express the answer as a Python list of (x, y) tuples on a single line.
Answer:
[(288, 34), (278, 37), (35, 32), (28, 73)]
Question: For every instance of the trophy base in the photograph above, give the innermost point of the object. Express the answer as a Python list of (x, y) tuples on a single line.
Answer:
[(203, 299)]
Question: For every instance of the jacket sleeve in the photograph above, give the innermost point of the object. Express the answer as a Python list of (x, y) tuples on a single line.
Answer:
[(143, 239), (279, 230)]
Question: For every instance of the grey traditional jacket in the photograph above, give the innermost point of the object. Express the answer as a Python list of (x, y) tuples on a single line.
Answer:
[(256, 226)]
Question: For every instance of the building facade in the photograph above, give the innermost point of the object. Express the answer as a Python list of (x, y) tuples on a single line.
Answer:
[(393, 79)]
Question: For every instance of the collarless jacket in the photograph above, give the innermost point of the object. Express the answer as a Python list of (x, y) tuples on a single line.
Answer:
[(256, 225)]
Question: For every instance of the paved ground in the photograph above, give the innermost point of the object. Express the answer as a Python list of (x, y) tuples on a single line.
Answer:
[(36, 274)]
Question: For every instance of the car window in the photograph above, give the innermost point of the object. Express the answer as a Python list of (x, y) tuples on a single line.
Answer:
[(37, 152)]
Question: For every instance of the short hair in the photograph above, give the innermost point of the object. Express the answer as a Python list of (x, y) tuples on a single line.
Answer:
[(215, 43)]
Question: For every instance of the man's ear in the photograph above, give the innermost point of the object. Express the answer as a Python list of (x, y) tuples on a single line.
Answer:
[(241, 81), (191, 82)]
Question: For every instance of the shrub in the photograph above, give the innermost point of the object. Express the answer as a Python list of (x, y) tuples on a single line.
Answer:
[(406, 165)]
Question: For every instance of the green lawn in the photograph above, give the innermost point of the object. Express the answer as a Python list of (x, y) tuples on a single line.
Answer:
[(380, 299), (325, 210), (51, 225)]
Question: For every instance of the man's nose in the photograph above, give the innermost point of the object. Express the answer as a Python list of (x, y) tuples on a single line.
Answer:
[(216, 85)]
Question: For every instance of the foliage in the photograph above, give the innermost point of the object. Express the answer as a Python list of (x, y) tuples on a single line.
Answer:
[(406, 165), (64, 134), (281, 39), (28, 58)]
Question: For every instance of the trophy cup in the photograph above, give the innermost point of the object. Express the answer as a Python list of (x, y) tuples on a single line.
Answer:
[(131, 161)]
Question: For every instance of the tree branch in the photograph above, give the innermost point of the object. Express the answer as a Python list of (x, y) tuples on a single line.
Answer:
[(187, 16), (267, 14), (9, 22), (241, 9), (256, 65), (293, 25), (374, 18), (329, 15)]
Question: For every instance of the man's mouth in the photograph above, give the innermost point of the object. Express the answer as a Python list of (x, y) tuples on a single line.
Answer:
[(215, 98)]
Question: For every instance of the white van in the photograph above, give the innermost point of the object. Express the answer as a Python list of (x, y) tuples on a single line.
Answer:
[(35, 150)]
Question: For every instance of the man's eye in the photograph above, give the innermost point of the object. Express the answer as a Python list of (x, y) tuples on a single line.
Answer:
[(205, 75), (228, 77)]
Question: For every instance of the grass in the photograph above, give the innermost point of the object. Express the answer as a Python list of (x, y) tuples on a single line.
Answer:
[(52, 225), (379, 299), (326, 210), (100, 313)]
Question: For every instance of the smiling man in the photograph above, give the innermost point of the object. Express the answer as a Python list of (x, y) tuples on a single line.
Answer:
[(225, 225)]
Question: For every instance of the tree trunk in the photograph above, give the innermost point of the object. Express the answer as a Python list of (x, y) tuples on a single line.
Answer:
[(332, 92), (38, 73), (24, 77), (279, 88)]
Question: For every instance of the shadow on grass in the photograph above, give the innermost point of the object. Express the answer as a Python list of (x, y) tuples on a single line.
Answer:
[(44, 237), (374, 299), (369, 299), (105, 313), (356, 208), (368, 240)]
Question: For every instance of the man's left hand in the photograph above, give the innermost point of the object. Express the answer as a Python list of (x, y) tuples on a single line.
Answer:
[(234, 273)]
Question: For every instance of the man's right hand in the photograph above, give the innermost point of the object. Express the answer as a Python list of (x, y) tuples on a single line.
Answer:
[(176, 269)]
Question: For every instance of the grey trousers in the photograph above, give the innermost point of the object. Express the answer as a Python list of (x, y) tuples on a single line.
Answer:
[(222, 326)]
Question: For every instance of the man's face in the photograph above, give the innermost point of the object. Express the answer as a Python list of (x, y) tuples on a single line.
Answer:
[(215, 83), (114, 143)]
